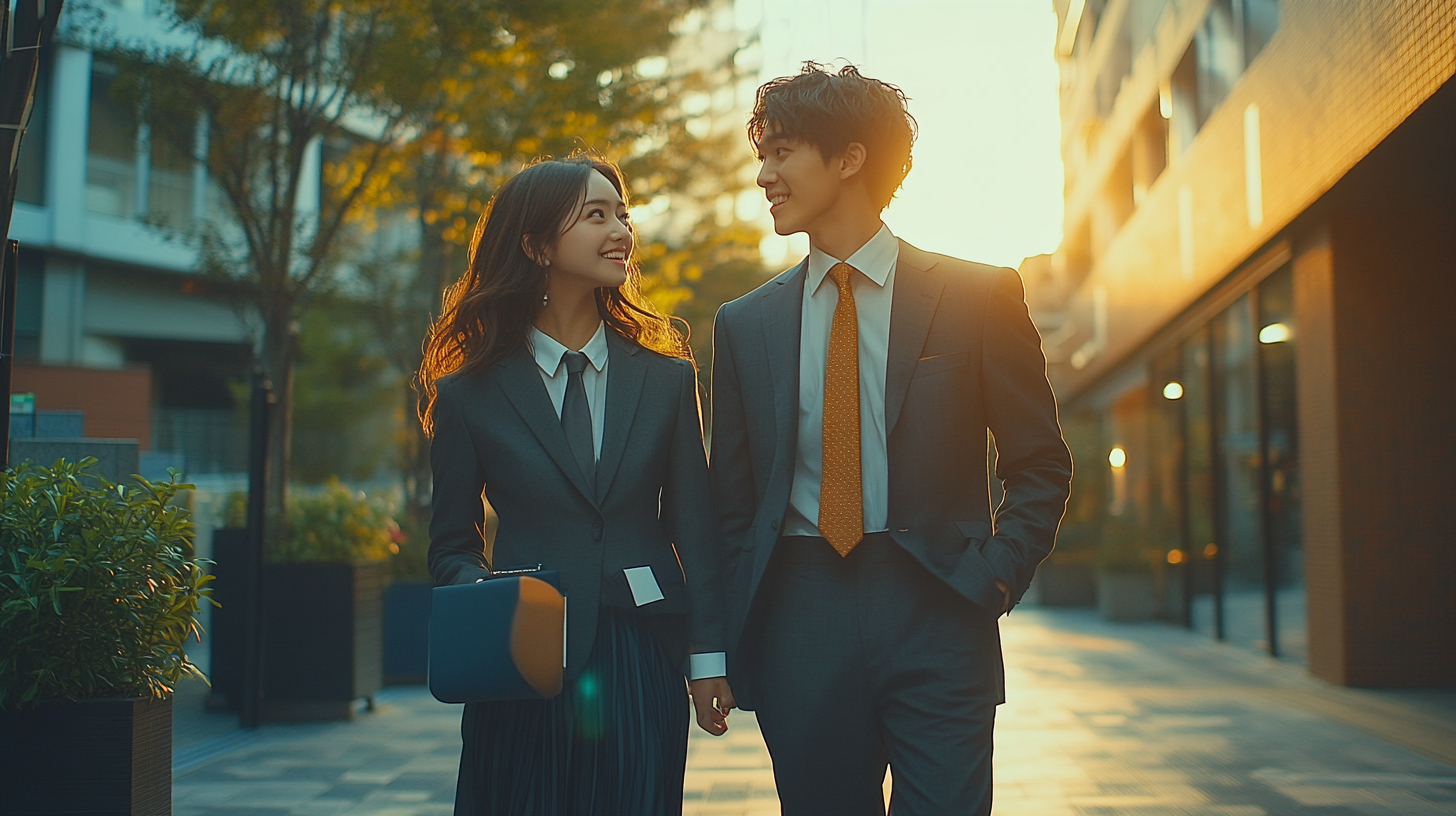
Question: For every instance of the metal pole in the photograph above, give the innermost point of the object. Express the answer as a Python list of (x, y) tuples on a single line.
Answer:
[(11, 271), (252, 686)]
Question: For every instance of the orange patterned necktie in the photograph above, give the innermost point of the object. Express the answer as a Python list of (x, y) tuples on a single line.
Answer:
[(841, 500)]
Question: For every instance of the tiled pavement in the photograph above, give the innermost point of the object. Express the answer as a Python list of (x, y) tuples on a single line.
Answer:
[(1102, 719)]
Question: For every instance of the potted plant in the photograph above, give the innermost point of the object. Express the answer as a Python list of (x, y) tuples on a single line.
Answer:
[(99, 590), (1126, 589), (323, 594)]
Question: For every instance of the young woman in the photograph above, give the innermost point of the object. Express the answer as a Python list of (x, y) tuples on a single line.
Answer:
[(555, 389)]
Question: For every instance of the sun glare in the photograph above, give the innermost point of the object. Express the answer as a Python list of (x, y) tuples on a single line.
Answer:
[(982, 81)]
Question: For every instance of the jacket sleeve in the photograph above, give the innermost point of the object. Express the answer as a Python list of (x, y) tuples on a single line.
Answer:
[(457, 522), (729, 464), (687, 502), (1032, 460)]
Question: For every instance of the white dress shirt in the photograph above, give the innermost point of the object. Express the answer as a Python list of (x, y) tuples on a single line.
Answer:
[(549, 356), (550, 359), (873, 288)]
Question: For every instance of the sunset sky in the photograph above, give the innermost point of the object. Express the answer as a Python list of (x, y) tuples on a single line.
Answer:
[(982, 79)]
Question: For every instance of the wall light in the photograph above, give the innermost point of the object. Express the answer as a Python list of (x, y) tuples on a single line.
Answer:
[(1210, 551), (1173, 390), (1176, 557), (1117, 457), (1275, 333)]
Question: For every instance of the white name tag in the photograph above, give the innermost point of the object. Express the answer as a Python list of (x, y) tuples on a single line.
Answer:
[(643, 585)]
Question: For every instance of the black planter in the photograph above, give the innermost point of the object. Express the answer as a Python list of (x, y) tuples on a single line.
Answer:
[(93, 757), (322, 639), (225, 631), (1066, 584), (406, 632)]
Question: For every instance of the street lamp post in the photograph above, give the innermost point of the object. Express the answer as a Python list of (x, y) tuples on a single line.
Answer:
[(252, 686)]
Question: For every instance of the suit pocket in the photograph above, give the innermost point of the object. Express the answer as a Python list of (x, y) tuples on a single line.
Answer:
[(937, 363), (977, 531)]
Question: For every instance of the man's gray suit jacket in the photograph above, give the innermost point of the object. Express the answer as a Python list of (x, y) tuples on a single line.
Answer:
[(964, 358), (496, 431)]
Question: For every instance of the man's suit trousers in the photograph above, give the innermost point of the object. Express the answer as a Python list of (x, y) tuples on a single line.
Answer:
[(868, 660)]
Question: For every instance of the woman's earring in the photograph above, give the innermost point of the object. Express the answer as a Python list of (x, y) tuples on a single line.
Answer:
[(547, 294)]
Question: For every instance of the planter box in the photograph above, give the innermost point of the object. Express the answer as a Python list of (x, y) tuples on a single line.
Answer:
[(225, 631), (1126, 596), (1174, 594), (1065, 584), (93, 757), (406, 632), (322, 639)]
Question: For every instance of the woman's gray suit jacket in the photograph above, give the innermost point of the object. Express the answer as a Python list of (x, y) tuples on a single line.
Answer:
[(498, 436)]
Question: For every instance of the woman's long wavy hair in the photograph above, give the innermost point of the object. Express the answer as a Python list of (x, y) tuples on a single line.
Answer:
[(488, 312)]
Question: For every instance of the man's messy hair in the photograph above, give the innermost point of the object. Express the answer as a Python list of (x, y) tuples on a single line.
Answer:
[(831, 109)]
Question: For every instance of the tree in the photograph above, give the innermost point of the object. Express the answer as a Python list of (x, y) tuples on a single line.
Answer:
[(420, 108), (546, 79), (288, 91)]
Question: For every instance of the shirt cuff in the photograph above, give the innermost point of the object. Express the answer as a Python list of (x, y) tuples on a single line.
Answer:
[(708, 664)]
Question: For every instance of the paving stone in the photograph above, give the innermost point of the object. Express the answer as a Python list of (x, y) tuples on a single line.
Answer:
[(1132, 720)]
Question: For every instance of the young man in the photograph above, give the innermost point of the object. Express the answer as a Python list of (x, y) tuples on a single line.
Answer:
[(852, 396)]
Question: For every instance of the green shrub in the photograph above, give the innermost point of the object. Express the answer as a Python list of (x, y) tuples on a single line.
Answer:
[(99, 589), (337, 526), (235, 511)]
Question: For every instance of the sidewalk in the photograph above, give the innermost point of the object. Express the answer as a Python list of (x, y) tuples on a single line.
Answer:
[(1102, 719)]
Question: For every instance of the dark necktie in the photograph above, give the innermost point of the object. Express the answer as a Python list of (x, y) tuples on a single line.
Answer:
[(576, 419)]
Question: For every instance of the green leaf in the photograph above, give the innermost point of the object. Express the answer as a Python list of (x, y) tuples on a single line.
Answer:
[(99, 597)]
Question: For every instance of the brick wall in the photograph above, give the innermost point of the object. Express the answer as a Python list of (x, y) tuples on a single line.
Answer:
[(117, 402)]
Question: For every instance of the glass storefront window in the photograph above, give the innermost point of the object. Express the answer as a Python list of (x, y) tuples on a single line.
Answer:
[(1165, 485), (1204, 475), (1198, 478), (1282, 522), (1238, 474)]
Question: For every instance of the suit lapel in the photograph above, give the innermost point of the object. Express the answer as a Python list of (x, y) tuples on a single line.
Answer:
[(916, 295), (626, 371), (782, 315), (520, 379)]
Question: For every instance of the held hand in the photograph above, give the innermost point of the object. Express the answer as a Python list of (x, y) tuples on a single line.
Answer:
[(1005, 596), (712, 699)]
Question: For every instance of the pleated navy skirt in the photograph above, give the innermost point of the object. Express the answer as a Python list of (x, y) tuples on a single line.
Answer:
[(613, 743)]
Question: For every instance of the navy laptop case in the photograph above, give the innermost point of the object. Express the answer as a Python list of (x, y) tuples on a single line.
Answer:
[(503, 638)]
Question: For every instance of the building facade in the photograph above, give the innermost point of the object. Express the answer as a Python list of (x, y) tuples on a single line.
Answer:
[(113, 319), (1246, 319)]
